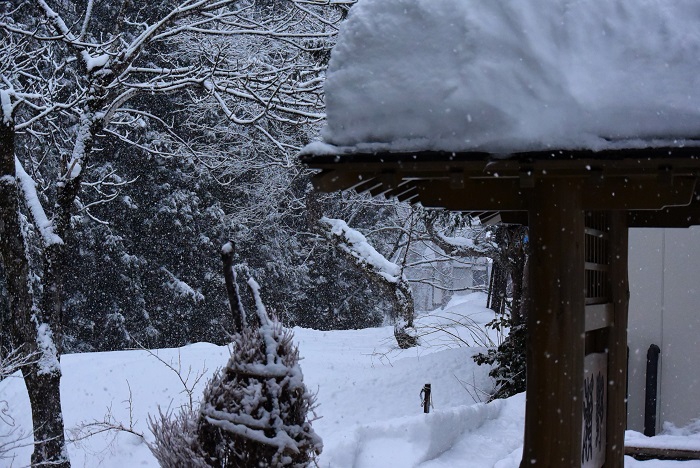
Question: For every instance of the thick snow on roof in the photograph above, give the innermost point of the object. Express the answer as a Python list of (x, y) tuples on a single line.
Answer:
[(505, 76)]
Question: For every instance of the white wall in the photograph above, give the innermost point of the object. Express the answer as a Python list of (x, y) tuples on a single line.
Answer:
[(664, 269)]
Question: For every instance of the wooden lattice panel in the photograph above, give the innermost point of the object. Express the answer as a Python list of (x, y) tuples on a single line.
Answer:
[(597, 258)]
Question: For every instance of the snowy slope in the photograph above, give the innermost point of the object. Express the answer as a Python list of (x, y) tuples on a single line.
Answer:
[(501, 76), (370, 411)]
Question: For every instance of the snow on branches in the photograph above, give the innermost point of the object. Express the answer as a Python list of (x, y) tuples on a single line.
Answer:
[(355, 244), (31, 198), (255, 411), (387, 275)]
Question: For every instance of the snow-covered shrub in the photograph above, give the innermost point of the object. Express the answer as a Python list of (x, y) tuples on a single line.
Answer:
[(176, 444), (509, 363), (254, 412)]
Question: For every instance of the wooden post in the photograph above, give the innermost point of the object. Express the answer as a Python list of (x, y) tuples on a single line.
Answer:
[(425, 395), (556, 326), (650, 393), (238, 314), (617, 342)]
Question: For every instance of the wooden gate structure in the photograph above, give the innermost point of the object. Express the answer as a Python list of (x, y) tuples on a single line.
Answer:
[(579, 206)]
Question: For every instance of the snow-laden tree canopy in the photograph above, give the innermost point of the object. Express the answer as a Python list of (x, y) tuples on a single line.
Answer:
[(506, 76)]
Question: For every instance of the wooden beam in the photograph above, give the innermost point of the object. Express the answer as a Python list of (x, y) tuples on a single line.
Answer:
[(637, 193), (671, 217), (617, 342), (514, 217), (330, 180), (556, 327), (583, 160), (492, 194), (648, 453), (510, 194)]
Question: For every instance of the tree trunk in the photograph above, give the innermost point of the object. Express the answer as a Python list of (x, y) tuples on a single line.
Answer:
[(517, 261), (524, 305), (509, 263), (28, 333), (51, 302), (47, 417), (498, 287), (234, 298)]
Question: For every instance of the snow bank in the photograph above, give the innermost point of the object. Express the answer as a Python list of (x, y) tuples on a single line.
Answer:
[(403, 441), (671, 437), (462, 322), (370, 411), (460, 436), (504, 76)]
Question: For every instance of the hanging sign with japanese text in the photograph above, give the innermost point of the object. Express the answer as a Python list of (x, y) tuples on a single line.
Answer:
[(594, 410)]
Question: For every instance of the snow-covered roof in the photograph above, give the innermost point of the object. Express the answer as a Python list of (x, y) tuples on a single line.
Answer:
[(514, 75)]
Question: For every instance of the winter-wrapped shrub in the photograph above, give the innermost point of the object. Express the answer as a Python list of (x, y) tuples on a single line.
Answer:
[(254, 412)]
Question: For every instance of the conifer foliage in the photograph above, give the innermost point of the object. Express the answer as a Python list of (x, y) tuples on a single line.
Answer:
[(254, 411)]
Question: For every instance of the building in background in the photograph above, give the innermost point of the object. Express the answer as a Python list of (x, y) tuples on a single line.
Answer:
[(435, 277), (664, 271)]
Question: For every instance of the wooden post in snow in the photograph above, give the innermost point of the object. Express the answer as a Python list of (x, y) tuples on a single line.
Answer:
[(555, 342), (426, 398), (617, 341)]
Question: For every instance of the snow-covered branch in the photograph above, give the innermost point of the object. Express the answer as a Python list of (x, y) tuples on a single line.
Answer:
[(385, 274), (460, 246), (355, 244), (11, 361), (91, 62), (180, 288), (6, 107), (42, 222)]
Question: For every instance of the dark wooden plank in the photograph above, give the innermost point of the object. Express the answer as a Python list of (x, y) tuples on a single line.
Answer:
[(493, 194), (651, 453), (617, 344), (641, 154), (638, 193), (556, 327)]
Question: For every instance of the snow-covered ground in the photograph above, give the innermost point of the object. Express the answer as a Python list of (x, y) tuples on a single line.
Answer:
[(369, 404)]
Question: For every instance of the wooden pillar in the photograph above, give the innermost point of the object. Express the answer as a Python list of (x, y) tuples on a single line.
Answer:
[(617, 352), (556, 326)]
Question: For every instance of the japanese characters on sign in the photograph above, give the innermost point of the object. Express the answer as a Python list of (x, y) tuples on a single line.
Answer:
[(594, 410)]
